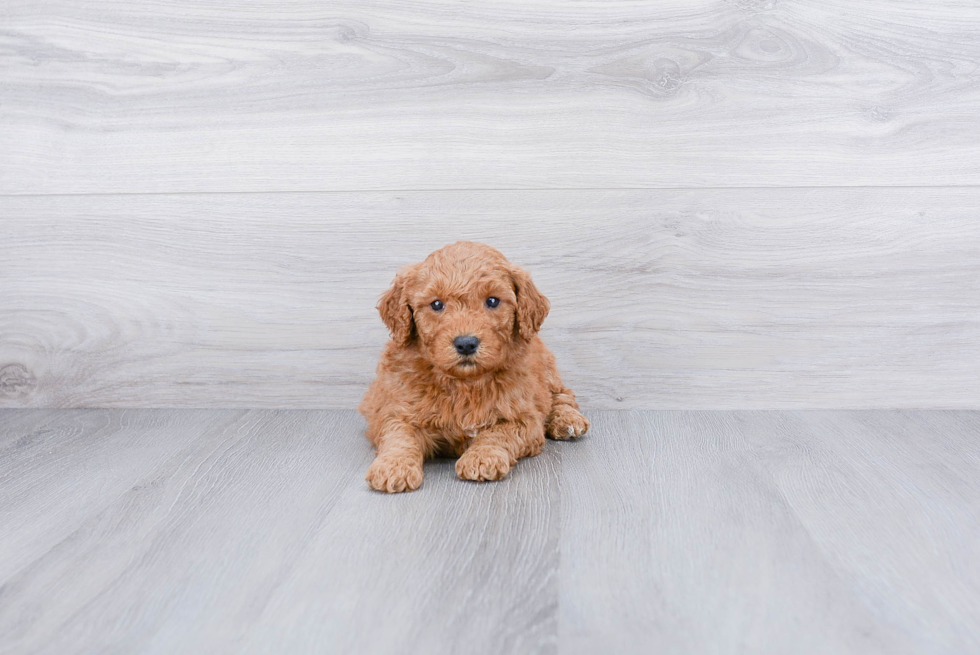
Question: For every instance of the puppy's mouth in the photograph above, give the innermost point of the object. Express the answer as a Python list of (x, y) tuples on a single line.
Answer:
[(466, 366)]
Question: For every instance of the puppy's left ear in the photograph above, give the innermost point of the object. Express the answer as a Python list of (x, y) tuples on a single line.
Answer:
[(532, 306), (395, 310)]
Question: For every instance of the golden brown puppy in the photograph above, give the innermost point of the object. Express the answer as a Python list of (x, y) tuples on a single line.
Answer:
[(465, 374)]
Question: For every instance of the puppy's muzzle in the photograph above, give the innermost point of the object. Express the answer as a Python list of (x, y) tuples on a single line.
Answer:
[(466, 344)]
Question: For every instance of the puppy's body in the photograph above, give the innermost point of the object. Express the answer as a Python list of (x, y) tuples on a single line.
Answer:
[(448, 412), (489, 407)]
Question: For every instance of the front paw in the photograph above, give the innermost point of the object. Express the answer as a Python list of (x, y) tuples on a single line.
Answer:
[(394, 475), (567, 423), (482, 464)]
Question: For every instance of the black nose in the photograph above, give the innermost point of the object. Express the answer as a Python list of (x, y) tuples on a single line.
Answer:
[(466, 345)]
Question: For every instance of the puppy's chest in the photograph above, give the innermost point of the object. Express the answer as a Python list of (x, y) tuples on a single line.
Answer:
[(458, 415)]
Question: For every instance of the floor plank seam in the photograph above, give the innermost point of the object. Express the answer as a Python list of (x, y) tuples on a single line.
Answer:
[(491, 190)]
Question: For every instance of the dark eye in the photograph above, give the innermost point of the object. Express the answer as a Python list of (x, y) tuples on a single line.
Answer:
[(492, 302), (437, 305)]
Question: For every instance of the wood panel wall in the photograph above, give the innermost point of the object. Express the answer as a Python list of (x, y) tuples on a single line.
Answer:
[(731, 203)]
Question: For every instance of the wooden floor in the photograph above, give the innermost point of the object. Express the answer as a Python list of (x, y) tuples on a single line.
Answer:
[(211, 531)]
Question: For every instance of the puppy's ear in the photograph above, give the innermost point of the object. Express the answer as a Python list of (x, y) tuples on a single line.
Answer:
[(532, 306), (395, 310)]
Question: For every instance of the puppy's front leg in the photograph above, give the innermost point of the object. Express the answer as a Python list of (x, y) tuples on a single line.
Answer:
[(398, 464), (496, 449)]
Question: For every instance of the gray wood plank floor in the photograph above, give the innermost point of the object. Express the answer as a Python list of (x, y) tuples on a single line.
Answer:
[(203, 531)]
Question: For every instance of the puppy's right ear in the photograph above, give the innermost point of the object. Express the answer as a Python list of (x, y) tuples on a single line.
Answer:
[(395, 310)]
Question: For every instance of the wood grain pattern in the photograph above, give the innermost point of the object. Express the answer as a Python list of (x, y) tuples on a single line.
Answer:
[(72, 465), (254, 531), (661, 298), (205, 531), (183, 510), (893, 510), (138, 96), (772, 532), (456, 567)]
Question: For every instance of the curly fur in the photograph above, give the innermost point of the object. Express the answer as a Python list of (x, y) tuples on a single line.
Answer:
[(489, 409)]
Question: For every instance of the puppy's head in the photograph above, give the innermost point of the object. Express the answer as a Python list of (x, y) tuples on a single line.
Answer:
[(467, 308)]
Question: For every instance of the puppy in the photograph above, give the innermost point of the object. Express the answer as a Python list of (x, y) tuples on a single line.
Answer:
[(465, 373)]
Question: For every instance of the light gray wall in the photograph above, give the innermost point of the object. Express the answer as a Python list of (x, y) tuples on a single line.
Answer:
[(730, 204)]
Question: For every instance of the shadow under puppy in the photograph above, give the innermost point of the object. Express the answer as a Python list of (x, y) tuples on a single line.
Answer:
[(465, 373)]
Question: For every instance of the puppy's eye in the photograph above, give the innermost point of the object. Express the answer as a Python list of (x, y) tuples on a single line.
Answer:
[(437, 305), (492, 302)]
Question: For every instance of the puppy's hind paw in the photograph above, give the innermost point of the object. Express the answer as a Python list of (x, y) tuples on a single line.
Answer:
[(566, 423), (394, 475)]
